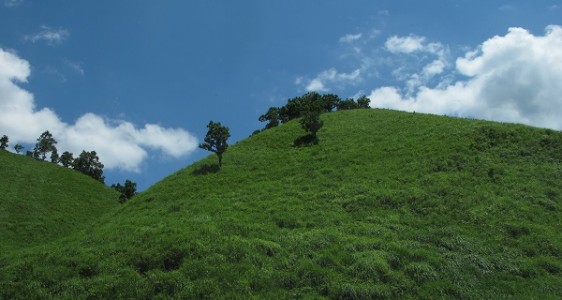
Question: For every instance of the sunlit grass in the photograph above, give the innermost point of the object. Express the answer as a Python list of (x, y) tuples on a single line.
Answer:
[(387, 205)]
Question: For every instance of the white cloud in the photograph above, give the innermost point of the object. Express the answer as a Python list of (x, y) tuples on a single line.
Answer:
[(51, 36), (332, 77), (12, 3), (408, 44), (118, 143), (514, 78), (349, 38)]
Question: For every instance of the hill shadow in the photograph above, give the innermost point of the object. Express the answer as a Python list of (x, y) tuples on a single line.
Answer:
[(305, 140), (206, 169)]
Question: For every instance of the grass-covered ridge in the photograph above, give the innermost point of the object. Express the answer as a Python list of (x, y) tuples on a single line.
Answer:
[(387, 205), (42, 202)]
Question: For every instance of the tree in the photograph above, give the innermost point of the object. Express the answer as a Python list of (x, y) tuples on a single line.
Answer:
[(272, 117), (4, 142), (216, 140), (128, 191), (88, 163), (311, 122), (18, 148), (347, 104), (66, 159), (55, 156), (45, 144), (363, 102)]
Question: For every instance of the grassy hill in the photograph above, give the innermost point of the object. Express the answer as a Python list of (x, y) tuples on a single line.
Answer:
[(41, 202), (387, 205)]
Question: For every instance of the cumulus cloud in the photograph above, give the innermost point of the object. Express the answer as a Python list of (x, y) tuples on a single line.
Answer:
[(119, 144), (349, 38), (330, 77), (52, 36), (514, 78)]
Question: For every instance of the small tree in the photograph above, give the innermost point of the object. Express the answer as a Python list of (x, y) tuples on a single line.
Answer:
[(4, 142), (45, 144), (272, 117), (363, 102), (66, 159), (55, 156), (128, 191), (311, 122), (88, 163), (18, 148), (216, 140)]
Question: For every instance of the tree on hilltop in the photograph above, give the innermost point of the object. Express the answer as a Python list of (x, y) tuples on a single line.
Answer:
[(216, 139), (18, 148), (66, 159), (45, 144), (88, 163), (4, 142)]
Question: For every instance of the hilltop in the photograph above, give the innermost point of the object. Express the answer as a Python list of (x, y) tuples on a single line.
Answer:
[(41, 202), (387, 205)]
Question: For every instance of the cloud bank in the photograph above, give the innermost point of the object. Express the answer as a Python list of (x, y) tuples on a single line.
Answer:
[(514, 78), (119, 144)]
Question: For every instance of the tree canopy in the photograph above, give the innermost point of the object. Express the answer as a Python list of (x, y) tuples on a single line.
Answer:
[(216, 139), (45, 144), (89, 164)]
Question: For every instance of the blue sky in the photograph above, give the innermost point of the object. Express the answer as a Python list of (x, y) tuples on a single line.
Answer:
[(138, 81)]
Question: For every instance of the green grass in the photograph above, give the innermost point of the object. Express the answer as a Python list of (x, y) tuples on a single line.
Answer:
[(41, 202), (387, 205)]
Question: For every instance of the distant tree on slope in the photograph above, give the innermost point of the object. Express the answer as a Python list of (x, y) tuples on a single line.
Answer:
[(45, 144), (88, 163), (66, 159), (128, 191), (216, 140), (18, 148), (4, 142)]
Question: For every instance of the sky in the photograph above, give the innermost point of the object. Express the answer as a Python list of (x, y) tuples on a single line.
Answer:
[(138, 81)]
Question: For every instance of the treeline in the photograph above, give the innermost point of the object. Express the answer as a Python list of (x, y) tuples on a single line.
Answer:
[(309, 104), (87, 162)]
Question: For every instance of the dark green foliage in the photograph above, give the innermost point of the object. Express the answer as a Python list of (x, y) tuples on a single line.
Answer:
[(18, 148), (390, 205), (88, 163), (311, 122), (272, 117), (127, 191), (55, 156), (4, 142), (45, 144), (66, 159), (363, 102), (216, 139), (297, 107)]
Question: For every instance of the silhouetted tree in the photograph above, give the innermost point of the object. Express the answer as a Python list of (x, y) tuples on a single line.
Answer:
[(4, 142), (347, 104), (45, 144), (363, 102), (18, 148), (66, 159), (128, 191), (272, 117), (55, 156), (216, 139), (330, 102), (88, 163), (311, 122)]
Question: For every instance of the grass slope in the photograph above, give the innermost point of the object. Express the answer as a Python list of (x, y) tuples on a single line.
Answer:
[(41, 202), (388, 205)]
